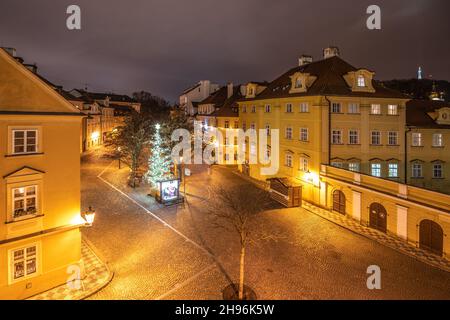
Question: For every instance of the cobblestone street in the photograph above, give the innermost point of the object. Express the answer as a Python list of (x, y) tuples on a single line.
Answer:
[(173, 252)]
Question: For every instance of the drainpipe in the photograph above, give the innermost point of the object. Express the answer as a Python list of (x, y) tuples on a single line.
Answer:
[(406, 154)]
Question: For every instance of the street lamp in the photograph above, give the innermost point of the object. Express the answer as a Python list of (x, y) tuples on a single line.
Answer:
[(89, 217), (183, 175)]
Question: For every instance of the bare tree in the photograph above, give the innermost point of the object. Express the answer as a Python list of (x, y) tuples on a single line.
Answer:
[(238, 209), (130, 140)]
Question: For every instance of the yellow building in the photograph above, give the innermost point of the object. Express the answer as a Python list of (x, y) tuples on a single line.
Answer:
[(428, 138), (40, 183), (342, 140)]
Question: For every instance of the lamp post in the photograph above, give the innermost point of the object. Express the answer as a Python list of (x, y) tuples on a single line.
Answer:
[(89, 217), (183, 176)]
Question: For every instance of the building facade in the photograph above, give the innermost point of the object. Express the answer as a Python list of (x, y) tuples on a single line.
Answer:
[(40, 183), (190, 97)]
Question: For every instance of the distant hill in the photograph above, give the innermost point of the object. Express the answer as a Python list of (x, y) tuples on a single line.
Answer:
[(419, 89)]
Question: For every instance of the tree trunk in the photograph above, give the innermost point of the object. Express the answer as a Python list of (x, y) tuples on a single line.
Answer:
[(241, 274)]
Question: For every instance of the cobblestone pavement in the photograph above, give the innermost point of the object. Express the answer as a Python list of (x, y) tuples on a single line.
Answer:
[(175, 253), (97, 276)]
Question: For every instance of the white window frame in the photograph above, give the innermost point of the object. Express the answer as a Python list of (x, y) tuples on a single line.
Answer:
[(24, 199), (226, 124), (353, 108), (375, 168), (441, 170), (288, 160), (438, 140), (336, 107), (304, 134), (304, 107), (337, 164), (354, 166), (353, 133), (373, 134), (392, 110), (393, 170), (416, 139), (26, 256), (361, 81), (25, 141), (417, 170), (336, 133), (304, 164), (375, 109), (288, 133), (393, 135), (289, 108)]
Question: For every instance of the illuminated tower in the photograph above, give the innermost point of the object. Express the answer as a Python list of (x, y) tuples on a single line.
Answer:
[(419, 73)]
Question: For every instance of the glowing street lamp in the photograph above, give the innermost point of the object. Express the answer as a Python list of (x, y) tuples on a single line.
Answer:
[(89, 217)]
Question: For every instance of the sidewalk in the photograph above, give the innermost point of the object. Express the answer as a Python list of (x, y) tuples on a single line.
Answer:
[(380, 237), (98, 275)]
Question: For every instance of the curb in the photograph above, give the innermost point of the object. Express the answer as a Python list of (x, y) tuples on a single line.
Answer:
[(94, 250)]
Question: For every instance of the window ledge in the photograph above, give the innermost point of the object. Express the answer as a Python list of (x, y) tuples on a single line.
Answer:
[(376, 145), (354, 113), (14, 155), (417, 146), (438, 147), (24, 219), (417, 177), (354, 144), (393, 145), (337, 144), (375, 114), (440, 178)]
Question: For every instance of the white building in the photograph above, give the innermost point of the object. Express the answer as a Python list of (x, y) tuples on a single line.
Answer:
[(191, 96)]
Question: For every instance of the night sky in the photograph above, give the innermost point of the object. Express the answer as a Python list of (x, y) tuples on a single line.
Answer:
[(164, 46)]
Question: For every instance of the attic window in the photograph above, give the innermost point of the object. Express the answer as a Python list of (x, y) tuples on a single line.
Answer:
[(361, 81), (250, 91), (298, 83)]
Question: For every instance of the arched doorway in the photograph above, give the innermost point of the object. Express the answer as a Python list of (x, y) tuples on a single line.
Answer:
[(431, 236), (339, 201), (378, 217)]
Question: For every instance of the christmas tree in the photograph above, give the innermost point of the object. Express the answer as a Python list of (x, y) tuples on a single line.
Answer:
[(159, 161)]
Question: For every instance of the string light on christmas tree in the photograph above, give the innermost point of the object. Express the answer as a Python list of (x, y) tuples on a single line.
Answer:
[(159, 161)]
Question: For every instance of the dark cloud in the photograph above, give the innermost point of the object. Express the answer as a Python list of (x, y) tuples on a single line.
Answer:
[(164, 46)]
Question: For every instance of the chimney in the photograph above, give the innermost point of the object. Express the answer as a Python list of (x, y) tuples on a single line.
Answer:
[(229, 89), (11, 51), (304, 59), (32, 67), (330, 52)]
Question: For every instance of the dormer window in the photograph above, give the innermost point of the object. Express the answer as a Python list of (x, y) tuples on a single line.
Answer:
[(361, 81), (250, 91), (298, 83)]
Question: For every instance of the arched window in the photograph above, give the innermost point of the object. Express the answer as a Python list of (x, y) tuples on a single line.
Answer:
[(361, 81)]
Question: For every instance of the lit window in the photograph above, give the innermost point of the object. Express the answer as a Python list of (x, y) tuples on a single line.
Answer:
[(24, 262), (24, 141), (336, 107), (289, 133), (417, 170), (304, 134), (337, 164), (375, 138), (288, 160), (227, 124), (298, 83), (361, 81), (236, 124), (244, 109), (392, 109), (416, 139), (353, 137), (289, 107), (393, 138), (304, 107), (24, 201), (267, 108), (437, 171), (253, 109), (376, 169), (304, 164), (353, 108), (336, 137), (437, 140), (353, 166), (393, 170), (375, 109)]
